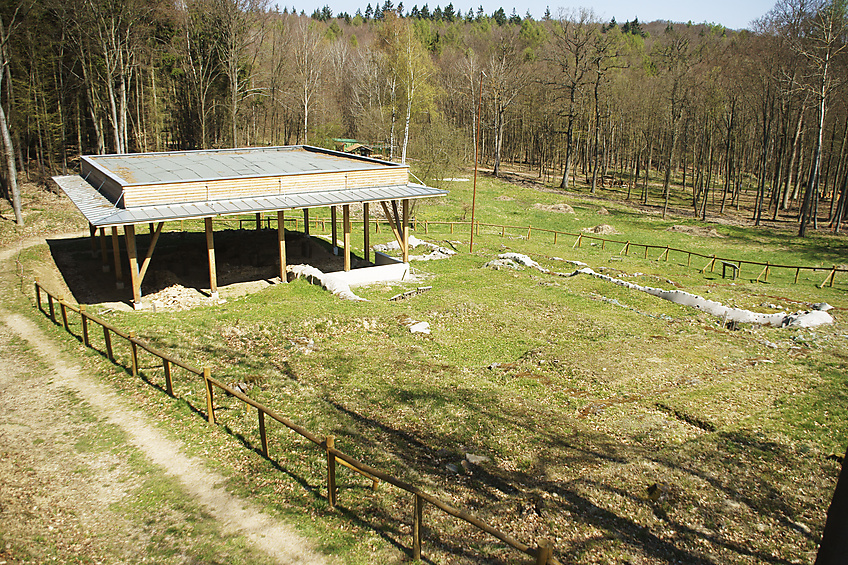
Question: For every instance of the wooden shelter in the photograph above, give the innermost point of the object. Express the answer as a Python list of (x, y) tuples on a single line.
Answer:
[(123, 191)]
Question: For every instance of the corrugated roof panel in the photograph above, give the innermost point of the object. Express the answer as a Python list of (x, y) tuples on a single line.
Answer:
[(102, 213)]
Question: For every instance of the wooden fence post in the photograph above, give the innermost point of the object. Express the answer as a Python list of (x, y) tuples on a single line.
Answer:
[(262, 435), (63, 309), (828, 278), (555, 237), (52, 307), (107, 339), (579, 241), (797, 272), (210, 401), (169, 387), (38, 295), (134, 348), (331, 472), (84, 318), (544, 550), (418, 512), (451, 227)]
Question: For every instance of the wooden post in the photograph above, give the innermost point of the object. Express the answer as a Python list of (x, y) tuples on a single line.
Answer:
[(503, 231), (107, 339), (346, 234), (84, 318), (210, 400), (829, 278), (451, 227), (169, 386), (104, 256), (603, 244), (529, 230), (132, 253), (406, 231), (281, 243), (555, 237), (334, 231), (416, 527), (63, 309), (52, 308), (688, 259), (578, 242), (426, 227), (331, 472), (306, 221), (543, 552), (38, 295), (258, 221), (116, 256), (262, 435), (768, 269), (797, 272), (210, 249), (134, 348), (366, 215), (92, 231), (646, 252)]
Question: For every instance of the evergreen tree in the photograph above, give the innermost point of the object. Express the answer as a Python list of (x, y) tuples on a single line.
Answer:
[(499, 16)]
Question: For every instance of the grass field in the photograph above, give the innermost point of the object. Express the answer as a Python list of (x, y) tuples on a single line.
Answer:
[(580, 394)]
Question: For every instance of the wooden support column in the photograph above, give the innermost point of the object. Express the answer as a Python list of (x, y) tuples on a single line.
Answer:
[(93, 233), (334, 231), (116, 256), (306, 221), (346, 229), (281, 240), (258, 221), (366, 220), (104, 255), (210, 248), (146, 263), (405, 245), (132, 253)]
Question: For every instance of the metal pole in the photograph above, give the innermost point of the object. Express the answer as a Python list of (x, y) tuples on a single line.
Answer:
[(476, 157)]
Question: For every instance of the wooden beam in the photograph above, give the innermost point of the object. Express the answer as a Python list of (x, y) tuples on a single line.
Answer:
[(258, 221), (366, 217), (392, 223), (104, 255), (405, 245), (92, 231), (334, 231), (132, 253), (347, 230), (210, 248), (153, 240), (281, 241), (116, 258), (306, 221)]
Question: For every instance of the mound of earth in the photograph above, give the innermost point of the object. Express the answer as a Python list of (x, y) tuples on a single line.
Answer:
[(601, 229), (561, 208), (696, 230), (603, 211), (504, 198)]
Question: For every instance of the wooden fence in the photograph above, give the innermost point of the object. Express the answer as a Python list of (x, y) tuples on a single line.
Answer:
[(735, 265), (542, 552), (628, 246)]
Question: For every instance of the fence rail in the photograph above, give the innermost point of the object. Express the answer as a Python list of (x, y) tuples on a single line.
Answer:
[(542, 552), (528, 232)]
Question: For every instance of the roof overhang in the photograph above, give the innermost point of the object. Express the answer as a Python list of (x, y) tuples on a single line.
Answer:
[(101, 212)]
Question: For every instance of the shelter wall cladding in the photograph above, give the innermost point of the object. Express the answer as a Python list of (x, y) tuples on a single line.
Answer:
[(251, 187)]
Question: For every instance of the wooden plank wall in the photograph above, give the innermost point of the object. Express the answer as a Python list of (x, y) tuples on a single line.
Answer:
[(269, 186)]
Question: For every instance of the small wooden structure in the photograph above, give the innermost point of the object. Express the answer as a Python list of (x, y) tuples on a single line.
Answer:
[(114, 191)]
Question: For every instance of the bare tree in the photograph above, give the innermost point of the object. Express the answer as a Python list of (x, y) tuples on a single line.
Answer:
[(571, 59), (309, 58), (6, 31)]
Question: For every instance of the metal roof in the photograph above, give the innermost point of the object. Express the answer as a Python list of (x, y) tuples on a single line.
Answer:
[(101, 212), (207, 165)]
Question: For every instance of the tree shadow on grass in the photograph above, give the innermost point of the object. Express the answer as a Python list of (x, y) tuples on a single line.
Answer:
[(738, 471)]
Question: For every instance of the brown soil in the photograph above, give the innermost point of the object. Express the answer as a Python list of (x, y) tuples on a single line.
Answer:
[(66, 494)]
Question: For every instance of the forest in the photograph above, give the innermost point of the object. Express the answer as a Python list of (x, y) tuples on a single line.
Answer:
[(708, 111)]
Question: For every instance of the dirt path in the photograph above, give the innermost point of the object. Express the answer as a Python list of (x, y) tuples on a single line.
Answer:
[(235, 516)]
